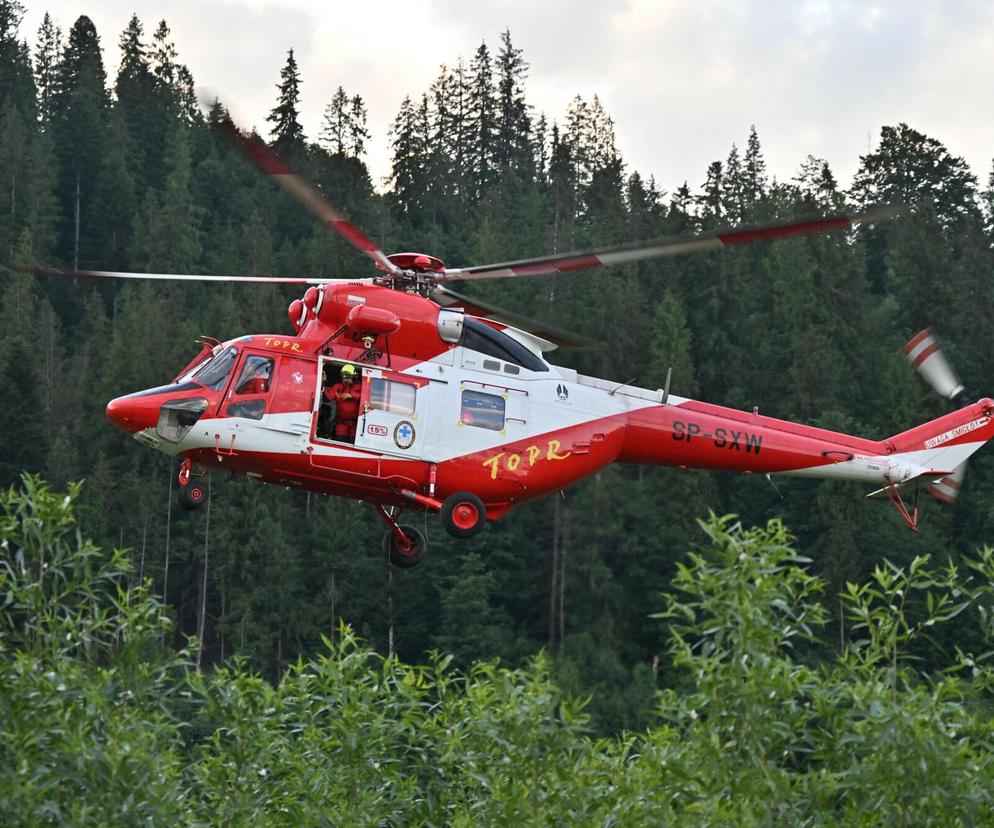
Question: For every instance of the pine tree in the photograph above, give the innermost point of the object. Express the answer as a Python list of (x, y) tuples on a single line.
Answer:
[(711, 200), (911, 168), (407, 176), (287, 133), (17, 83), (336, 117), (163, 55), (172, 223), (754, 170), (80, 111), (358, 133), (512, 144), (817, 185), (733, 188), (482, 121), (541, 149), (47, 53)]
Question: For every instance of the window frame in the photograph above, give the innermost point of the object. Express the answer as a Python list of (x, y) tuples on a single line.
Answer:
[(474, 422)]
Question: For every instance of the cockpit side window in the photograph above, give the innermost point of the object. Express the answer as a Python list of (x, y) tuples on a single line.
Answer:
[(215, 372), (480, 337), (255, 375)]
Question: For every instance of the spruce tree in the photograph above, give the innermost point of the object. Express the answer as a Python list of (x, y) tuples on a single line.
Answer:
[(754, 170), (512, 133), (79, 121), (17, 84), (911, 168), (407, 174), (482, 120), (287, 133), (336, 117), (47, 53), (358, 133)]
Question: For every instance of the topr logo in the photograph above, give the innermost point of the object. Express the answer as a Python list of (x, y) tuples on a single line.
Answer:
[(403, 434), (562, 391)]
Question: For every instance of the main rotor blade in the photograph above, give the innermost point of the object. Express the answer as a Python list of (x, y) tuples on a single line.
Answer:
[(183, 277), (448, 298), (673, 246), (267, 161), (926, 357)]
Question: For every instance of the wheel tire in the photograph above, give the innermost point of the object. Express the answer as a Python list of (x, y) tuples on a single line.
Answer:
[(411, 557), (192, 496), (463, 514)]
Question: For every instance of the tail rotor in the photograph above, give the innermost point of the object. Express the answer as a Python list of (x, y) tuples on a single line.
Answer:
[(926, 356)]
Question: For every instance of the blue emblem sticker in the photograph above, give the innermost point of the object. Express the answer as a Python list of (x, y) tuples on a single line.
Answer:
[(403, 434)]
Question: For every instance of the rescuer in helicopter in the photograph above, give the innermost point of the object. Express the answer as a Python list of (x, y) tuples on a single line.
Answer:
[(345, 395)]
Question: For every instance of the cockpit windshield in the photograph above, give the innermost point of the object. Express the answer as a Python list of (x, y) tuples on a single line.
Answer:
[(215, 372)]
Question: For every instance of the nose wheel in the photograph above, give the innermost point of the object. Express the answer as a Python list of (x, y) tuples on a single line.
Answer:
[(192, 486), (193, 495)]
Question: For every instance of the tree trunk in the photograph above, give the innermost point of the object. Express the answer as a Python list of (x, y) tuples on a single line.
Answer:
[(202, 620), (75, 244), (554, 585)]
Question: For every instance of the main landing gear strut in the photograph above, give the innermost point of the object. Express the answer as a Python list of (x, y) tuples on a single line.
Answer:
[(404, 544), (463, 515)]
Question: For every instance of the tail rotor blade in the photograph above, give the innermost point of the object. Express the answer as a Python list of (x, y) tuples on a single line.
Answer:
[(926, 357)]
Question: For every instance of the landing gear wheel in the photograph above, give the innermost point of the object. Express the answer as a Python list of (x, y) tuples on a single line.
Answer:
[(463, 514), (405, 558), (192, 496)]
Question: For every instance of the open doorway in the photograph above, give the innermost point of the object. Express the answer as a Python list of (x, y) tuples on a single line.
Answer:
[(338, 410)]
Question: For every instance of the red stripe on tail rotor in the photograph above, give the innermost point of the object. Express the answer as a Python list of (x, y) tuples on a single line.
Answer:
[(925, 354), (917, 340)]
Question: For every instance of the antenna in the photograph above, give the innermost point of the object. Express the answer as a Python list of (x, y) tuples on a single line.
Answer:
[(666, 385), (616, 390)]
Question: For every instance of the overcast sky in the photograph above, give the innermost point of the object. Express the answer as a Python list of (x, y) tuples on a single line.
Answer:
[(682, 80)]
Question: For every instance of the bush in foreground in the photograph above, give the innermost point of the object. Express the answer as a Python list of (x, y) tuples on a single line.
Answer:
[(101, 724)]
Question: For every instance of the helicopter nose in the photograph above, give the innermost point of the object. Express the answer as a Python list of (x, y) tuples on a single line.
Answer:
[(130, 414)]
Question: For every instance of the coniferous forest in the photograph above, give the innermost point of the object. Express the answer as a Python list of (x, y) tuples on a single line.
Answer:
[(612, 655)]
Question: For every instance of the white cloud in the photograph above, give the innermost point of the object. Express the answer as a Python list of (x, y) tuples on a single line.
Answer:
[(681, 80)]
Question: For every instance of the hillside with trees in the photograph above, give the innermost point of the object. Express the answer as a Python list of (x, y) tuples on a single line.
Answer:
[(126, 172)]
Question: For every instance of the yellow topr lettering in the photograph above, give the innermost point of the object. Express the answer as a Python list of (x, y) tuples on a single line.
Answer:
[(513, 462), (551, 454), (492, 462), (533, 453)]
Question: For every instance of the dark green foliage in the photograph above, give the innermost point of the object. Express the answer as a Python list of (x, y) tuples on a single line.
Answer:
[(288, 134), (808, 329), (101, 722)]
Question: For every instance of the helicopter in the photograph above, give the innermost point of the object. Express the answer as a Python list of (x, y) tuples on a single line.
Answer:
[(397, 390)]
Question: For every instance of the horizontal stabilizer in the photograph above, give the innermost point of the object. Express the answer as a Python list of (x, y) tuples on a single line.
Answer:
[(926, 478)]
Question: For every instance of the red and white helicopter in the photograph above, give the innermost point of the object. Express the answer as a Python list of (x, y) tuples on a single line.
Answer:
[(459, 412)]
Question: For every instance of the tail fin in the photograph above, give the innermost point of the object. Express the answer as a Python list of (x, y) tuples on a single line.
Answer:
[(947, 488), (946, 443)]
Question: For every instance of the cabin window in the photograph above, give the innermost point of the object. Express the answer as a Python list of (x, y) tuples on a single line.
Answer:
[(255, 376), (215, 373), (482, 410), (395, 397)]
